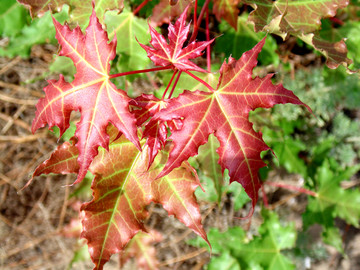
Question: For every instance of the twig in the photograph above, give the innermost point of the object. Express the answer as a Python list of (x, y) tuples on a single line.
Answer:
[(7, 180), (22, 139), (15, 228), (65, 203), (20, 89), (17, 122), (290, 187), (283, 201), (184, 257), (29, 102), (11, 121), (30, 244), (10, 64)]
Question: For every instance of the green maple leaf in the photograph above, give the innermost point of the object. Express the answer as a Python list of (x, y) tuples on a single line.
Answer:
[(333, 201), (263, 252)]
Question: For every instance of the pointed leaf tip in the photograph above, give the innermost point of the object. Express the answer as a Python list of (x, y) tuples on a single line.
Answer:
[(122, 188), (225, 113), (164, 54), (92, 93)]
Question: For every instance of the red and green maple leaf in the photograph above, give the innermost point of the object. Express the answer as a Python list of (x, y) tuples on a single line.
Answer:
[(80, 10), (165, 11), (228, 10), (155, 132), (122, 188), (290, 16), (142, 249), (225, 113), (164, 54), (91, 92), (301, 18)]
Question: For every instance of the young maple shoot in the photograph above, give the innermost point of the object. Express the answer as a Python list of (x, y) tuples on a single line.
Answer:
[(131, 173)]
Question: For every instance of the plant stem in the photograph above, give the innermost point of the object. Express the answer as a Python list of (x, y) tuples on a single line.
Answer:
[(265, 199), (337, 21), (140, 6), (195, 17), (208, 56), (290, 187), (198, 22), (200, 81), (167, 87), (139, 71), (174, 85)]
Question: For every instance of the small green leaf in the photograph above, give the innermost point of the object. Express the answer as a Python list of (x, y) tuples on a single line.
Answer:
[(333, 201), (128, 27), (224, 262), (40, 31), (266, 249), (13, 18)]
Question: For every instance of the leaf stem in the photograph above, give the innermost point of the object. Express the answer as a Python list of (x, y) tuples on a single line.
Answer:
[(200, 81), (195, 17), (290, 187), (208, 56), (167, 87), (265, 198), (139, 71), (198, 22), (140, 7), (175, 83)]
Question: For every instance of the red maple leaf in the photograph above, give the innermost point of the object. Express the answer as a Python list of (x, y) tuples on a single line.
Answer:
[(92, 93), (228, 10), (225, 113), (155, 131), (167, 10), (122, 189), (164, 54)]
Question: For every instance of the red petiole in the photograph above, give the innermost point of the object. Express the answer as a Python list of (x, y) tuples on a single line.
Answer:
[(139, 71), (175, 83), (200, 81), (167, 87)]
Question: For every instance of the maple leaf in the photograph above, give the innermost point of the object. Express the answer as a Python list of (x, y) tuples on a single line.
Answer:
[(164, 54), (292, 15), (335, 52), (122, 188), (154, 131), (126, 26), (225, 113), (266, 250), (62, 161), (80, 9), (91, 92), (228, 10), (141, 248), (164, 12), (333, 201), (281, 17)]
